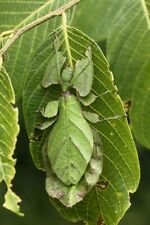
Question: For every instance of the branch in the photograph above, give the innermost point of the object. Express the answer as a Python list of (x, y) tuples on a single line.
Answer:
[(19, 32)]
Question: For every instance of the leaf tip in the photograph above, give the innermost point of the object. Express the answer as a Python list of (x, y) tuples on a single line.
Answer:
[(11, 202)]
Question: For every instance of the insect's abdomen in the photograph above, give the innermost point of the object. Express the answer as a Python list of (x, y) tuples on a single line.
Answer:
[(70, 143)]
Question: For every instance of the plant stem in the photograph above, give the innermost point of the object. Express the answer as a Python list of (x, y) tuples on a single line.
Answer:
[(17, 33)]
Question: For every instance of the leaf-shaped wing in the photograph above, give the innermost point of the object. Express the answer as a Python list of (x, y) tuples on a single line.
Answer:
[(70, 143), (8, 131)]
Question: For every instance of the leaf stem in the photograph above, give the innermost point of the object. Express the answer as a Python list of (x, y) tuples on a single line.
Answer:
[(18, 32), (6, 33), (64, 25)]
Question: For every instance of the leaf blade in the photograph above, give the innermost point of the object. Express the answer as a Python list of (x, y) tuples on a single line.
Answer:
[(102, 15), (120, 156), (8, 132), (128, 54)]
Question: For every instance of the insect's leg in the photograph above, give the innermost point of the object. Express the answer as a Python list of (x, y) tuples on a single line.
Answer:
[(50, 110), (112, 91), (46, 124), (114, 118)]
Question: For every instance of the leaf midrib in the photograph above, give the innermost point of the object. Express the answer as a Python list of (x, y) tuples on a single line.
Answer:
[(146, 14)]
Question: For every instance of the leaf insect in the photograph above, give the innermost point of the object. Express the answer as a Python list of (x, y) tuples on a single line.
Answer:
[(73, 152)]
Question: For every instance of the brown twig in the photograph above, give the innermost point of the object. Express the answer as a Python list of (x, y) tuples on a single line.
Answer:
[(17, 33)]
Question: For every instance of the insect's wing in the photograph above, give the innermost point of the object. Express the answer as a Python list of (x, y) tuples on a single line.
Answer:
[(83, 75), (70, 195), (53, 70), (70, 143)]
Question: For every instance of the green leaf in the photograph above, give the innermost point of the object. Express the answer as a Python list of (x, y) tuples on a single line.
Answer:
[(70, 144), (70, 195), (8, 132), (129, 56), (11, 202), (15, 14), (97, 22), (121, 167)]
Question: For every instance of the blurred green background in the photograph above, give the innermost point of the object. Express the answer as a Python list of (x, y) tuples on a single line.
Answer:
[(29, 184)]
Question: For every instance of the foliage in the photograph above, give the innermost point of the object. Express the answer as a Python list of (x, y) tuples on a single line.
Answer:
[(107, 105), (124, 25), (8, 131)]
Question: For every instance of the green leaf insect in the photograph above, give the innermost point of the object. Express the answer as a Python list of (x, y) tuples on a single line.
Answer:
[(73, 152)]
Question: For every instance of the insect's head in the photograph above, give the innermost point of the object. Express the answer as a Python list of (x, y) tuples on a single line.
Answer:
[(66, 77)]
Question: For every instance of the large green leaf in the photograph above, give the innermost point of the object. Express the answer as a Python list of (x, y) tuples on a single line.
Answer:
[(129, 56), (8, 131), (96, 18), (109, 200), (15, 14)]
